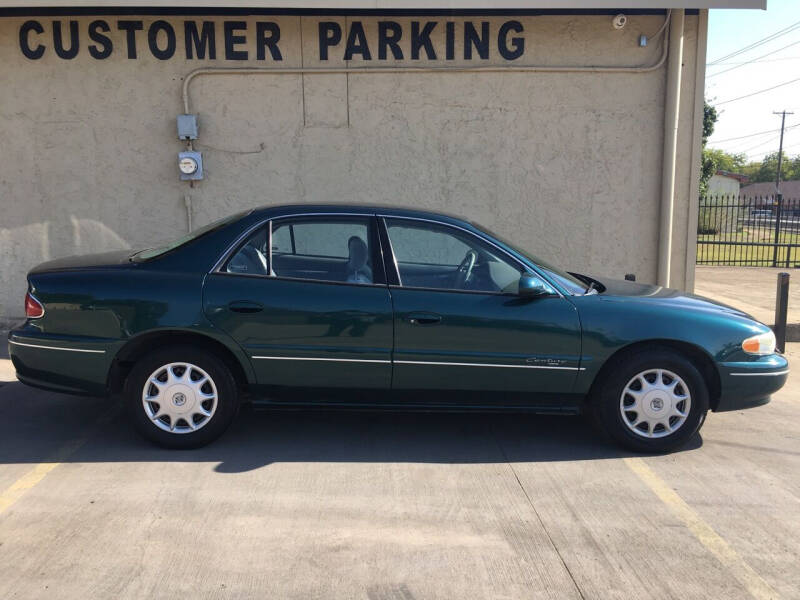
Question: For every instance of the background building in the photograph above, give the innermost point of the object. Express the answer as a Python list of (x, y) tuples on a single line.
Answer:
[(764, 189), (726, 183), (550, 123)]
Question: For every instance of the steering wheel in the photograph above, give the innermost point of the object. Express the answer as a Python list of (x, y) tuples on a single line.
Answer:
[(464, 270)]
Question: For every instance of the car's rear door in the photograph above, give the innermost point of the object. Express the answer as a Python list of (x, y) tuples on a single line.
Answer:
[(476, 335), (306, 297)]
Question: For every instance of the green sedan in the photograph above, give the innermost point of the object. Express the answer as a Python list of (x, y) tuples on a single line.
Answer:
[(372, 307)]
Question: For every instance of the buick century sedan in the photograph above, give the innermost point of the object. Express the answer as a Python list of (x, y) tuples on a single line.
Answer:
[(368, 307)]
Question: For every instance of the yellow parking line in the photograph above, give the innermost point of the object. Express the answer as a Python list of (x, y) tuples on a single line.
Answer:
[(751, 580), (17, 489)]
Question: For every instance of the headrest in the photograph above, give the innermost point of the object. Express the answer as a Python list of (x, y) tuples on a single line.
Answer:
[(358, 251)]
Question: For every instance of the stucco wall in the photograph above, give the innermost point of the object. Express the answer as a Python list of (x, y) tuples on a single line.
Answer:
[(567, 165)]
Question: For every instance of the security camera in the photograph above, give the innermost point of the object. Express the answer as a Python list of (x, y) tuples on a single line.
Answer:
[(619, 21)]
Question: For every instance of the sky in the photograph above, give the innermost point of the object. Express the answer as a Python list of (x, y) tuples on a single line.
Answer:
[(732, 30)]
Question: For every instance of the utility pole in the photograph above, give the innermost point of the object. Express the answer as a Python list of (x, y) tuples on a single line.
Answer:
[(780, 150), (778, 195)]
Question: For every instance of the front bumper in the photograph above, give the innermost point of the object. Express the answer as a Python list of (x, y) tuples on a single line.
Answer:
[(748, 384)]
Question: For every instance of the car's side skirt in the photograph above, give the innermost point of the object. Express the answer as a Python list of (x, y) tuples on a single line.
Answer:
[(422, 400)]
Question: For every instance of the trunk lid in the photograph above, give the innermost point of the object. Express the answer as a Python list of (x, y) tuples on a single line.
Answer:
[(115, 258)]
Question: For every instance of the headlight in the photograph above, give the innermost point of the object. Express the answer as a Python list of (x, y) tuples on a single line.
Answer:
[(763, 343)]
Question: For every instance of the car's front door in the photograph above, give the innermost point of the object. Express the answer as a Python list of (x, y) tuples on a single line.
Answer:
[(460, 324), (306, 298)]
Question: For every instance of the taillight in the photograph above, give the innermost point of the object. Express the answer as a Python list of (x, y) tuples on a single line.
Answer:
[(33, 308)]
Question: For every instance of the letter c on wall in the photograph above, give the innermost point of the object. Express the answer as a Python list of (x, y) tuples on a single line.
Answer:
[(24, 34)]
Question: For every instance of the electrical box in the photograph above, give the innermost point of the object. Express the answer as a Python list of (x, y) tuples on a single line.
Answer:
[(187, 127), (190, 165)]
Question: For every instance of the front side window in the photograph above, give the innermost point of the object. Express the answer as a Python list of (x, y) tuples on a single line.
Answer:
[(569, 282), (435, 256)]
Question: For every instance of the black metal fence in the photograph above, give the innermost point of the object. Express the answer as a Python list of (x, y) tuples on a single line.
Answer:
[(761, 231)]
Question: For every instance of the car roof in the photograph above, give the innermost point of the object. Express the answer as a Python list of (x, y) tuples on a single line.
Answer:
[(394, 211)]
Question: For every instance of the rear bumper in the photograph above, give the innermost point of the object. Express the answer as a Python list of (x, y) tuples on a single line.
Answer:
[(749, 384), (67, 364)]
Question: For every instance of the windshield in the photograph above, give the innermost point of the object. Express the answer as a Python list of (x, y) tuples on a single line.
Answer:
[(143, 255), (568, 282)]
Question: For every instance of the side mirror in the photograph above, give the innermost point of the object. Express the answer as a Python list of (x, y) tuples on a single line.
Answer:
[(531, 286)]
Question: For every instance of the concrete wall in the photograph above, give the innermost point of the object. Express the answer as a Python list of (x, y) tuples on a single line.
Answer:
[(564, 164)]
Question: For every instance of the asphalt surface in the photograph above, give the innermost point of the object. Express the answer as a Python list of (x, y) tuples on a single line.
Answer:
[(394, 506)]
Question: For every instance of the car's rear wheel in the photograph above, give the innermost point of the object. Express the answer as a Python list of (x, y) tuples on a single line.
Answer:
[(651, 401), (181, 397)]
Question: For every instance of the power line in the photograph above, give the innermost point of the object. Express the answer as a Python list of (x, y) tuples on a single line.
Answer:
[(769, 141), (763, 153), (754, 60), (749, 135), (792, 146), (758, 92), (757, 43), (747, 62)]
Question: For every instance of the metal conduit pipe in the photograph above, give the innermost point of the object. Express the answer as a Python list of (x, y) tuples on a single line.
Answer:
[(387, 70), (671, 110)]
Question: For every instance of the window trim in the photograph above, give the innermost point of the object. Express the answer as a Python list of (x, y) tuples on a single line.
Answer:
[(524, 267), (390, 270)]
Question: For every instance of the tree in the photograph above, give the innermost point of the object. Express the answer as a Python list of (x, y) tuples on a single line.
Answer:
[(709, 120), (709, 166), (792, 168), (767, 168), (724, 161)]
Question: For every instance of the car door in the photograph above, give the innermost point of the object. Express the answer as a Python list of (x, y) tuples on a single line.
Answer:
[(306, 297), (461, 325)]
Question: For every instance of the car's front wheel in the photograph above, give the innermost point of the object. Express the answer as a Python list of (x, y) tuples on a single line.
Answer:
[(181, 397), (651, 401)]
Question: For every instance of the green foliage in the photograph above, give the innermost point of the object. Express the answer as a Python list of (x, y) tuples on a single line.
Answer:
[(709, 120), (724, 161), (767, 168), (709, 168)]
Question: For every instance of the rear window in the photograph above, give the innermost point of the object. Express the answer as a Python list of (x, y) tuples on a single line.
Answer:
[(151, 253)]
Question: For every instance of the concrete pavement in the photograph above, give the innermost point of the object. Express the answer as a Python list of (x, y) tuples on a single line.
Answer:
[(394, 506)]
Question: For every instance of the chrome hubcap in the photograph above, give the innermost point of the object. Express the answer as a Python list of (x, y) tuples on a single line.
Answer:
[(655, 403), (179, 397)]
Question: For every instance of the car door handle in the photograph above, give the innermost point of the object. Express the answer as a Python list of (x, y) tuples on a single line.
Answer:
[(244, 306), (424, 318)]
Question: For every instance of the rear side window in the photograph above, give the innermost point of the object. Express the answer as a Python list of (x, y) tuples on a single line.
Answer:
[(339, 249), (324, 249), (319, 239), (252, 257)]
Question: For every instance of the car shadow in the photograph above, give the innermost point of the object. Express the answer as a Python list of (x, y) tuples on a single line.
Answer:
[(34, 425)]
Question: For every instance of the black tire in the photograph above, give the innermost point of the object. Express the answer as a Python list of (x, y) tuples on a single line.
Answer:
[(208, 428), (609, 416)]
